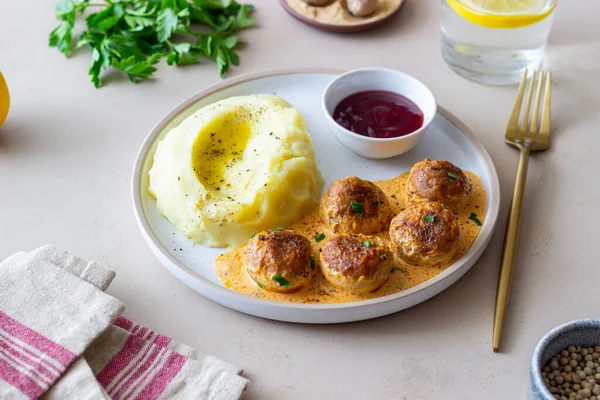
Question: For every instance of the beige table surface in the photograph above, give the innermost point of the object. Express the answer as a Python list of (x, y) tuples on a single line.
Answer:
[(67, 149)]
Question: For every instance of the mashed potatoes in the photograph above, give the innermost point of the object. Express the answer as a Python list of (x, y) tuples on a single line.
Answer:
[(238, 166)]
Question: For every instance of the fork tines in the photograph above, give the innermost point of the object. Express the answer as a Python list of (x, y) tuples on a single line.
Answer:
[(540, 82)]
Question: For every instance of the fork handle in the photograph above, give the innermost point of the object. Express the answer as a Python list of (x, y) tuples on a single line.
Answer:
[(509, 251)]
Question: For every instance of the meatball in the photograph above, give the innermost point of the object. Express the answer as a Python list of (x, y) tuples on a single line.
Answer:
[(438, 180), (356, 263), (280, 260), (425, 234), (353, 205)]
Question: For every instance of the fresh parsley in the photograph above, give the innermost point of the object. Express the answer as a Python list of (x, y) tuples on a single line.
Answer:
[(451, 175), (473, 217), (253, 234), (279, 228), (319, 237), (284, 283), (366, 243), (394, 269), (132, 36), (429, 218), (260, 285), (313, 264), (358, 207)]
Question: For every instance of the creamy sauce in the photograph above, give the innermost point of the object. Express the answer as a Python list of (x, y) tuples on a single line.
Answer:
[(230, 267)]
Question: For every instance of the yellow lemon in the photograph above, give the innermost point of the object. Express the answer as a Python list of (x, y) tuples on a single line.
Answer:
[(503, 13), (4, 99)]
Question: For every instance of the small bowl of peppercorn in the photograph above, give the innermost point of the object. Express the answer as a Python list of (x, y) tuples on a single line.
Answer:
[(566, 363)]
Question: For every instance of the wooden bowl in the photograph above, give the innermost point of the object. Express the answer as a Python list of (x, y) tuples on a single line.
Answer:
[(371, 22)]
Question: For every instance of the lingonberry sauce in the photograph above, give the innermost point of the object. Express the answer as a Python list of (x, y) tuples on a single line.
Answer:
[(378, 114)]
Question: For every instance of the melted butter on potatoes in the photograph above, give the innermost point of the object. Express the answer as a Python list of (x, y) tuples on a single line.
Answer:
[(234, 167)]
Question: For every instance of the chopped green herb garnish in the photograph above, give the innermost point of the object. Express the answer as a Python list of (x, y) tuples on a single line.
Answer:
[(357, 207), (279, 228), (284, 283), (319, 237), (260, 285), (312, 262), (253, 234), (473, 217), (429, 218), (451, 175), (366, 243), (399, 269)]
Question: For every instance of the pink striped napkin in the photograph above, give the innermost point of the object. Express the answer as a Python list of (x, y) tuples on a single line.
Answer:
[(124, 361), (133, 362), (48, 317)]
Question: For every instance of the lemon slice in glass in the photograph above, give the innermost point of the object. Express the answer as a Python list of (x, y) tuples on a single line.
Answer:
[(4, 99), (503, 13)]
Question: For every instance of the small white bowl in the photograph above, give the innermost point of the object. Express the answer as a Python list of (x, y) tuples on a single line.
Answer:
[(363, 79)]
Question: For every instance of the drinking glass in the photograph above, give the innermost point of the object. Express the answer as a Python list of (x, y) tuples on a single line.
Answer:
[(495, 46)]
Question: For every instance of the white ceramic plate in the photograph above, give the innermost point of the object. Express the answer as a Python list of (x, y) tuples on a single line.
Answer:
[(447, 138)]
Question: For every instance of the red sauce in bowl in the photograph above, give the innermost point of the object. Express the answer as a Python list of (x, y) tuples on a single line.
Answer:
[(378, 114)]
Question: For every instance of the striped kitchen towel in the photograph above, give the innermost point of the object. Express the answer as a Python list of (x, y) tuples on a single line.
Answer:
[(48, 317), (133, 362), (129, 361)]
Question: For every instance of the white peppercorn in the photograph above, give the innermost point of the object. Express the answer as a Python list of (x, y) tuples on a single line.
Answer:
[(574, 373), (581, 374)]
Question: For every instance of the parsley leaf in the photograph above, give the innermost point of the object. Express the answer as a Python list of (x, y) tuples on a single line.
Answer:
[(279, 228), (132, 36), (366, 243), (61, 37), (253, 234), (394, 269), (260, 285), (64, 7), (166, 23), (429, 218), (357, 207), (319, 237), (473, 217), (313, 264), (284, 283), (137, 69), (451, 175)]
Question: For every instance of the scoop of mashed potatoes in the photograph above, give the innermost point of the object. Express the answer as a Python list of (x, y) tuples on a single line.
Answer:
[(235, 167)]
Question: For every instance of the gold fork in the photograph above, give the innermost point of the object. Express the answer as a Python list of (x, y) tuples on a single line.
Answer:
[(527, 137)]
